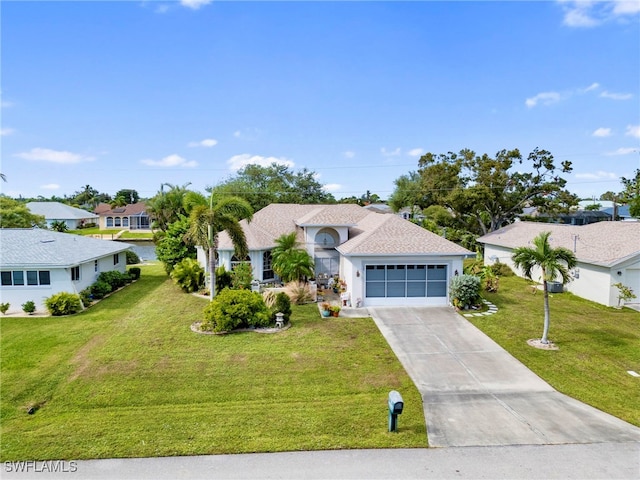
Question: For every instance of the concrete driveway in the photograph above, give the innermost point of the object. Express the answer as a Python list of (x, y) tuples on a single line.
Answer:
[(476, 394)]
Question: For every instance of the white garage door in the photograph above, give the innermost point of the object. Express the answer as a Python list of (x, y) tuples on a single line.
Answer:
[(405, 282)]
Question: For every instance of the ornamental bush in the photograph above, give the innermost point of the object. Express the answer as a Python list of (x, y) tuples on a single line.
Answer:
[(281, 305), (132, 257), (188, 275), (232, 309), (465, 290), (134, 272), (63, 303), (113, 278), (100, 289)]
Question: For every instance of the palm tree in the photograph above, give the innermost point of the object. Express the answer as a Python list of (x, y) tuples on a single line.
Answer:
[(208, 221), (551, 261), (290, 261)]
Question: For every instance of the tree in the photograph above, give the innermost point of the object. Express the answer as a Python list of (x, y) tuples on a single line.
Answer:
[(128, 195), (14, 214), (631, 193), (261, 186), (408, 192), (59, 226), (206, 223), (551, 261), (167, 206), (485, 193), (289, 261), (171, 247)]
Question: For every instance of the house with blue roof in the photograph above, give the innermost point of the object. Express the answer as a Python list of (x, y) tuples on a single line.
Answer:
[(37, 263)]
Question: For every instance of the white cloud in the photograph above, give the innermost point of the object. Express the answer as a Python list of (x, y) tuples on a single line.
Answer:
[(194, 4), (602, 132), (332, 187), (623, 151), (415, 152), (616, 96), (170, 162), (238, 161), (585, 14), (546, 98), (579, 15), (633, 131), (6, 131), (599, 175), (392, 153), (207, 142), (50, 186), (626, 7), (53, 156), (349, 154), (593, 86)]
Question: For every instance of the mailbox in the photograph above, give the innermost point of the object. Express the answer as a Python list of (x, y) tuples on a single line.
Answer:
[(396, 404)]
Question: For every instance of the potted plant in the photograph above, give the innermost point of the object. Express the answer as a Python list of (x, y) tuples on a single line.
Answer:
[(324, 308), (335, 310), (29, 307)]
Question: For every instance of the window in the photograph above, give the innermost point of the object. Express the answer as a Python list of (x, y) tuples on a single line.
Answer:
[(16, 278), (75, 274), (117, 221), (125, 221), (116, 258), (109, 221), (95, 265), (267, 270)]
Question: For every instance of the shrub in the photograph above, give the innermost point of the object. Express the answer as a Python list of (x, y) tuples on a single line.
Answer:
[(170, 246), (188, 275), (86, 296), (502, 270), (242, 275), (113, 278), (132, 257), (134, 272), (63, 303), (100, 289), (232, 309), (4, 307), (29, 307), (298, 292), (281, 305), (465, 290), (223, 278)]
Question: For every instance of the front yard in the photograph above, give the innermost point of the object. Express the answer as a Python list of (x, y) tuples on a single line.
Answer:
[(128, 378)]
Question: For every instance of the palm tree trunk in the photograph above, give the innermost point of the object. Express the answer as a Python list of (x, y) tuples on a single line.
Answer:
[(545, 331), (212, 273)]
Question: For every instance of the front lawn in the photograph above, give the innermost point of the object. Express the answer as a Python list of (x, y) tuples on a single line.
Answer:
[(128, 378), (597, 345)]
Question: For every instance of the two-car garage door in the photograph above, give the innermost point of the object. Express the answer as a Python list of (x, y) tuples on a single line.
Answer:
[(406, 284)]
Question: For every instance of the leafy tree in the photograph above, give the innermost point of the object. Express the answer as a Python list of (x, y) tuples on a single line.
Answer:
[(128, 195), (167, 206), (289, 261), (551, 261), (482, 192), (631, 193), (261, 186), (609, 196), (206, 223), (171, 247), (408, 192), (15, 214)]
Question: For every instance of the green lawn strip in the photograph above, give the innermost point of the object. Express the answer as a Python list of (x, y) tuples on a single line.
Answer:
[(137, 235), (597, 345), (129, 378)]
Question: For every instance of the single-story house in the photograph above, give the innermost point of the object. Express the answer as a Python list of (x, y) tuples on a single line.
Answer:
[(130, 217), (383, 259), (37, 263), (72, 217), (607, 253)]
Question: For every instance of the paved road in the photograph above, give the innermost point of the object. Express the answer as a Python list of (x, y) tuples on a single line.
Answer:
[(476, 394)]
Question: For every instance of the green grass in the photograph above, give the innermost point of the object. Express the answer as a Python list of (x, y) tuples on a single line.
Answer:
[(597, 345), (93, 231), (137, 235), (128, 378)]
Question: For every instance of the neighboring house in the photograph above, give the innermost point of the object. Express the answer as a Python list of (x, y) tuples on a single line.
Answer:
[(72, 217), (383, 259), (36, 263), (129, 217), (607, 253)]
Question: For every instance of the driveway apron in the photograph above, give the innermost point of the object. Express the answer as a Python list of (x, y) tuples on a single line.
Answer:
[(474, 393)]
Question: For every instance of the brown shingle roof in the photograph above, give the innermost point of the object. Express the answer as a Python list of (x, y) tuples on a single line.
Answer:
[(104, 209), (603, 243)]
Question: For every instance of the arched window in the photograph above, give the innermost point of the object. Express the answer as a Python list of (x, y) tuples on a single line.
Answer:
[(109, 221), (326, 238), (125, 221), (117, 224)]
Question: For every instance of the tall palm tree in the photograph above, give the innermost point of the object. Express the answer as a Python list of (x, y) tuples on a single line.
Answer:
[(290, 261), (551, 261), (208, 221)]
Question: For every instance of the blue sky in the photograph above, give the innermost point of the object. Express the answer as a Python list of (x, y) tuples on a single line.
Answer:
[(135, 94)]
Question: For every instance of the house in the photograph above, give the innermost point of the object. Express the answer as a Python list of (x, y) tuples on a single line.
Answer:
[(72, 217), (383, 259), (36, 263), (130, 217), (607, 253)]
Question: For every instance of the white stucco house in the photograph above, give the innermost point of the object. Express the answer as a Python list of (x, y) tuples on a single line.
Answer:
[(383, 259), (36, 263), (607, 253), (72, 217)]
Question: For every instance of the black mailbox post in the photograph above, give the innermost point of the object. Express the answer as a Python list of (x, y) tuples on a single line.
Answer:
[(396, 404)]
